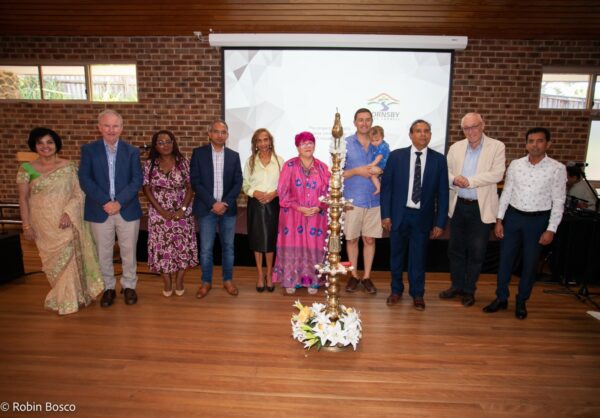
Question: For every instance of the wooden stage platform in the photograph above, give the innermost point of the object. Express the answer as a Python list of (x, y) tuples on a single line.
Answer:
[(224, 356)]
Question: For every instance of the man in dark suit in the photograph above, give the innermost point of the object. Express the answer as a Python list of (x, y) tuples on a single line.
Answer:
[(414, 207), (110, 174), (216, 177)]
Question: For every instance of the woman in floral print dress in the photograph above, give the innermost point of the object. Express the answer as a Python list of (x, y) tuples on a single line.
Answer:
[(172, 245)]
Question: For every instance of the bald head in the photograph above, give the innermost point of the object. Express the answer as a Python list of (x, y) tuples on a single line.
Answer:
[(470, 117), (472, 125)]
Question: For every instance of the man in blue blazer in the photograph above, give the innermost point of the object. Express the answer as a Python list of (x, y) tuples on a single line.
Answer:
[(110, 174), (414, 208), (216, 177)]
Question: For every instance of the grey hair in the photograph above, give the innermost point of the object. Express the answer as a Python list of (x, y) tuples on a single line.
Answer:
[(110, 112)]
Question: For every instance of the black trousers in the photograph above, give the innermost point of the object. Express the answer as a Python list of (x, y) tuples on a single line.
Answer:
[(468, 241)]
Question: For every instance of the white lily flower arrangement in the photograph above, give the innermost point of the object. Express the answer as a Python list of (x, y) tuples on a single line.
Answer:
[(312, 327)]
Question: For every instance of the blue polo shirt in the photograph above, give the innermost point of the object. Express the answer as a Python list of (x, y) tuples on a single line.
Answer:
[(359, 188)]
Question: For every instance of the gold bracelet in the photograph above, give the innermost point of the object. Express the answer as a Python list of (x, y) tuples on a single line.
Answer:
[(26, 227)]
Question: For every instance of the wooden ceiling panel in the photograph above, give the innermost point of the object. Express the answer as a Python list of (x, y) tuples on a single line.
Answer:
[(535, 19)]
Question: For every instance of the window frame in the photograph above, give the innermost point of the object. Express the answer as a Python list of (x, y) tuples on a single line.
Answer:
[(596, 118), (88, 80), (593, 74)]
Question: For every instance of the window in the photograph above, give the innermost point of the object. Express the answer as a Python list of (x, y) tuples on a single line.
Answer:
[(564, 91), (63, 83), (20, 82), (106, 82), (114, 83), (593, 152), (570, 88)]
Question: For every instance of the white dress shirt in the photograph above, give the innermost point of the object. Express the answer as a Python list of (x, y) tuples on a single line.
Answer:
[(411, 175), (535, 187)]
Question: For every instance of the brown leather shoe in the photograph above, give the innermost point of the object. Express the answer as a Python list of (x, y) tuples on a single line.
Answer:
[(369, 286), (450, 293), (203, 290), (393, 299), (419, 304), (352, 284), (230, 288)]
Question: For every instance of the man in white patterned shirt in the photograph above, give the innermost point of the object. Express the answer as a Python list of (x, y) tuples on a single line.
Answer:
[(530, 209)]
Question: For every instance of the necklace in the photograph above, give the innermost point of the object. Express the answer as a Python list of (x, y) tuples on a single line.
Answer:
[(306, 169)]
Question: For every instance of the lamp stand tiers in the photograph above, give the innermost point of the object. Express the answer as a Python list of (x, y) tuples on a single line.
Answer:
[(333, 267)]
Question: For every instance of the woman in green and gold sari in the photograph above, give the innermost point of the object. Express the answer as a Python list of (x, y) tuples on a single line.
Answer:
[(51, 205)]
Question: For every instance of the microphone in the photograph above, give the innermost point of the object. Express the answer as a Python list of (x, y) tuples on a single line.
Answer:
[(577, 164)]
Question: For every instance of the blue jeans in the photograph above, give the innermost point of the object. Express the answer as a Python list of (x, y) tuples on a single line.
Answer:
[(520, 232), (466, 249), (208, 230)]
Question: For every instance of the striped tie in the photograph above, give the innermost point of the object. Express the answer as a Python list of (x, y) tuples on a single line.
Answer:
[(416, 191)]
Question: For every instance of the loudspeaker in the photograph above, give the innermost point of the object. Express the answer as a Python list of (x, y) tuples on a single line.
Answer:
[(10, 248)]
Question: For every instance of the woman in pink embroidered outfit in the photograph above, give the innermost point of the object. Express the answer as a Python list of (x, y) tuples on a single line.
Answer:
[(302, 218)]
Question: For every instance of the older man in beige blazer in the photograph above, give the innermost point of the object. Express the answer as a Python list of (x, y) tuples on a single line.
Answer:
[(475, 166)]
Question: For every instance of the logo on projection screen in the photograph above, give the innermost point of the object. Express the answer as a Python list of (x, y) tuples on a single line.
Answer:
[(386, 102)]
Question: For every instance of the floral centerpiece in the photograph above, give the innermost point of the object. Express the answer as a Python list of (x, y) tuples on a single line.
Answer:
[(312, 327)]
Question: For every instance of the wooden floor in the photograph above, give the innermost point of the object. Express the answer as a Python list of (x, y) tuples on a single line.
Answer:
[(225, 356)]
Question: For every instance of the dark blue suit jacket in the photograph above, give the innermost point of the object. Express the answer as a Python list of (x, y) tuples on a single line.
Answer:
[(201, 177), (95, 182), (434, 192)]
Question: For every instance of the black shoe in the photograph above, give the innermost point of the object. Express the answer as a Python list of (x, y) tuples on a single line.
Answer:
[(521, 310), (495, 306), (468, 299), (130, 296), (262, 288), (450, 293), (108, 298), (271, 289)]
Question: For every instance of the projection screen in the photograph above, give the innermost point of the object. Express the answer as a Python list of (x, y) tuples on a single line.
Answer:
[(292, 90)]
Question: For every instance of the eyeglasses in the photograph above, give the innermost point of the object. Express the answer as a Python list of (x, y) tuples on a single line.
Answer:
[(470, 128), (306, 144), (215, 131), (163, 143)]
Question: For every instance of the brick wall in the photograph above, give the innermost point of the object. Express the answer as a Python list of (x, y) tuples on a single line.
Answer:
[(501, 80), (179, 86)]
